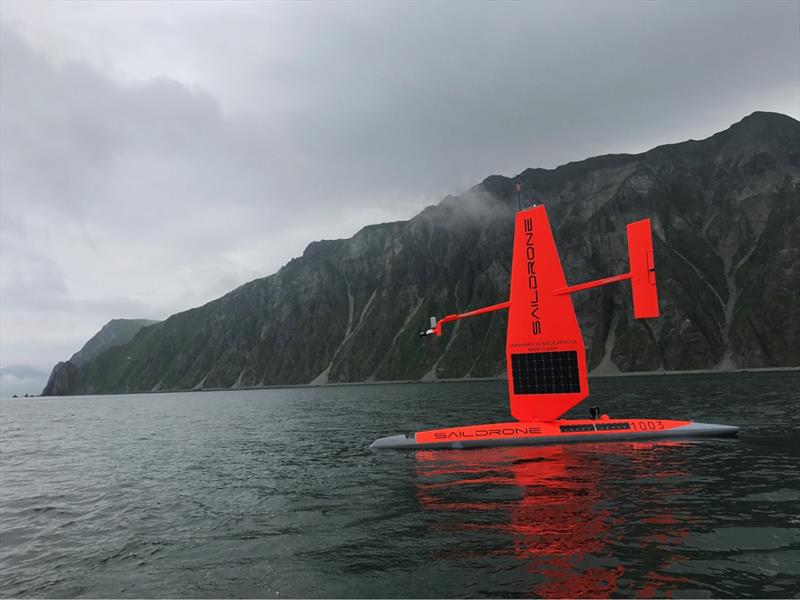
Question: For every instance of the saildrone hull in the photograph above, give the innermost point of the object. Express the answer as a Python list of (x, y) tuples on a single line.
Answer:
[(553, 432)]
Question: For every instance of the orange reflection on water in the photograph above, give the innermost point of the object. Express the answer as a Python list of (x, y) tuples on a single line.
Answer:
[(554, 502)]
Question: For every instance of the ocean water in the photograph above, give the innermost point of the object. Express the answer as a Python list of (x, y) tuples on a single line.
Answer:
[(274, 494)]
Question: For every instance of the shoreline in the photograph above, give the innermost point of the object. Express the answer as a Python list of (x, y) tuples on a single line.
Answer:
[(697, 372), (659, 373)]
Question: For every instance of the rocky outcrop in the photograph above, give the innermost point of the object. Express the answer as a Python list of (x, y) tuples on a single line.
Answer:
[(116, 332), (62, 381), (726, 218)]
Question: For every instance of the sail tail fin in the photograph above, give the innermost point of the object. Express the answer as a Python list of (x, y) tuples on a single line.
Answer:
[(643, 270)]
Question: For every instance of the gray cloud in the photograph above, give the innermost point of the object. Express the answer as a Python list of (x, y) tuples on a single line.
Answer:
[(154, 156)]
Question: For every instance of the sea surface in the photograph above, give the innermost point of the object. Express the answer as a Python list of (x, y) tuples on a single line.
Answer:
[(274, 493)]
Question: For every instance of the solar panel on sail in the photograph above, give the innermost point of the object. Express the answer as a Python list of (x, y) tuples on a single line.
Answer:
[(545, 372)]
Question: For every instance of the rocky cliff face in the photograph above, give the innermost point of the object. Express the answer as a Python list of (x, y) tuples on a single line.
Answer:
[(726, 218), (116, 332), (63, 379)]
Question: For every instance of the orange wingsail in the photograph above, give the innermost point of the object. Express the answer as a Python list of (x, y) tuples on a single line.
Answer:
[(544, 348)]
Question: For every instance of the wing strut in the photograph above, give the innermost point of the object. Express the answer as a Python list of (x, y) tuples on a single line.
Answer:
[(436, 327)]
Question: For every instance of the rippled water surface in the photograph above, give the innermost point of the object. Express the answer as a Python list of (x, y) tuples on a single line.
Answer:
[(274, 494)]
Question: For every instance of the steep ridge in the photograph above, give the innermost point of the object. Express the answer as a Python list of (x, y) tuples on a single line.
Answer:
[(726, 218), (114, 333)]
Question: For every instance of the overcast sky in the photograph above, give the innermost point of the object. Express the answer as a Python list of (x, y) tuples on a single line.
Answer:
[(155, 156)]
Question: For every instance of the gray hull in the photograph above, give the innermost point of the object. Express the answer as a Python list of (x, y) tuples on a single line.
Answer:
[(693, 430)]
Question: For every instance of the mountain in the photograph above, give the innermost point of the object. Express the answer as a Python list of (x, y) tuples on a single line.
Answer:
[(726, 220), (116, 332)]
